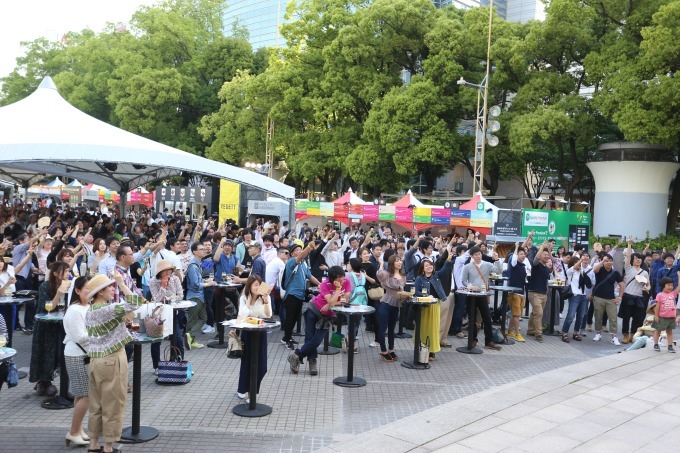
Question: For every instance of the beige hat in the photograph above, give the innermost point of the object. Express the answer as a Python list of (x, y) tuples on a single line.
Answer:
[(164, 265), (98, 283)]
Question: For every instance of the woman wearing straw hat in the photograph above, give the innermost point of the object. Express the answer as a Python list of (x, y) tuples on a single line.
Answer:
[(164, 286), (108, 365)]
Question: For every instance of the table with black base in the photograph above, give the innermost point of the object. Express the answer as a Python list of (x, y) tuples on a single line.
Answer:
[(554, 293), (504, 306), (135, 433), (62, 400), (471, 296), (8, 307), (417, 306), (353, 312), (252, 408), (403, 314), (220, 302), (7, 354), (327, 349)]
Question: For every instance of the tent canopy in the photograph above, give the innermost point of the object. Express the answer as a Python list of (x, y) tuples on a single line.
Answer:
[(56, 183), (45, 135), (472, 205), (408, 200), (351, 198), (75, 183)]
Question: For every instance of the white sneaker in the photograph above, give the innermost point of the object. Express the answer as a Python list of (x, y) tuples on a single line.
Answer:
[(373, 345), (615, 341), (597, 337), (240, 395), (561, 316), (208, 329)]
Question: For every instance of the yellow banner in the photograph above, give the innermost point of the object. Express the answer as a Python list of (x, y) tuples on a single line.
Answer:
[(230, 195)]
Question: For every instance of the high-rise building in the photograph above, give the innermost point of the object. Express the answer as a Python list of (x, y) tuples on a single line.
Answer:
[(261, 18)]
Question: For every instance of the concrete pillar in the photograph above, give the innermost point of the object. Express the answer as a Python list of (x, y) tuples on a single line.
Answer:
[(631, 189)]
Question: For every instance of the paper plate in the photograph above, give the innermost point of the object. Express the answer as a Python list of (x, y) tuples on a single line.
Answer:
[(641, 279)]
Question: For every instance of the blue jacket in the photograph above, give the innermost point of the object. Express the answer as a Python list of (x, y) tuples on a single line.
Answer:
[(436, 288), (671, 273), (195, 281)]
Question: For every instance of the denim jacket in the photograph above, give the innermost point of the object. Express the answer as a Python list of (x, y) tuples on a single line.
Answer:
[(436, 288)]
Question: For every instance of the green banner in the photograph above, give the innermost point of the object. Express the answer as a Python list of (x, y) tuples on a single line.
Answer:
[(566, 227)]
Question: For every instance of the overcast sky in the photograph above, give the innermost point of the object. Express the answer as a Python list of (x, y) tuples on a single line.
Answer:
[(26, 20)]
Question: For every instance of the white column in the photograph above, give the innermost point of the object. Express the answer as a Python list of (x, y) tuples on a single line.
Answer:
[(631, 197)]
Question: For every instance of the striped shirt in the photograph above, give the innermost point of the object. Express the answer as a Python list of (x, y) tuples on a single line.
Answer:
[(106, 326)]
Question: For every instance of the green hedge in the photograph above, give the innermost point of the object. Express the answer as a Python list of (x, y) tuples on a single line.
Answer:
[(670, 242)]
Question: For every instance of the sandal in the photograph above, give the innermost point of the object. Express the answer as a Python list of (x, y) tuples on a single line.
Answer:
[(394, 356), (565, 337), (577, 337), (386, 356)]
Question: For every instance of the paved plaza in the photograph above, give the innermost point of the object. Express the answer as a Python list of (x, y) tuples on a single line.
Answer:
[(452, 405)]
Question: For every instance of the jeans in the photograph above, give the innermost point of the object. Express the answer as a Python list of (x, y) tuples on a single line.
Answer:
[(387, 319), (313, 337), (483, 306), (459, 310), (29, 307), (177, 339), (578, 305)]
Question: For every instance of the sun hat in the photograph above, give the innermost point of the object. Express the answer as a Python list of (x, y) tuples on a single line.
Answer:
[(98, 283), (294, 246), (164, 265)]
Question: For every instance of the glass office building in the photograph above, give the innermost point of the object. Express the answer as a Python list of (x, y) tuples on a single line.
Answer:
[(261, 18)]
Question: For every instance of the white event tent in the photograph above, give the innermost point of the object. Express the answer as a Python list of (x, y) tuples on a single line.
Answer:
[(44, 135)]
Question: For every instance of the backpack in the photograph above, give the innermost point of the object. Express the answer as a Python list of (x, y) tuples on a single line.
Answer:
[(185, 280), (358, 294), (284, 281)]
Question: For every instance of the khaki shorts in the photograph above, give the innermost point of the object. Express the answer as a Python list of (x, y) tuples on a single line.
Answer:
[(516, 302), (664, 324)]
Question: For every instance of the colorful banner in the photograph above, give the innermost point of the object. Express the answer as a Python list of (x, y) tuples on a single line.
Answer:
[(73, 193), (404, 215), (145, 199), (566, 227), (230, 197), (387, 213)]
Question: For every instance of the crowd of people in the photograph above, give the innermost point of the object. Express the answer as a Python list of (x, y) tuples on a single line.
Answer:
[(101, 267)]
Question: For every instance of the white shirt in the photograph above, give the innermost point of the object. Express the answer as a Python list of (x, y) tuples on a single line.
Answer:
[(165, 254), (106, 265), (76, 332), (272, 271), (5, 276)]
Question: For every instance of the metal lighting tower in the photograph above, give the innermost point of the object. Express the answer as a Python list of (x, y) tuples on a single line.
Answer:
[(481, 132)]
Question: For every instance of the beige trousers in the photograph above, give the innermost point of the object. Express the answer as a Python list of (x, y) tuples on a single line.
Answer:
[(537, 301), (108, 395)]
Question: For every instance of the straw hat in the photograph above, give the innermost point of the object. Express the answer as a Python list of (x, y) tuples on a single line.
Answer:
[(164, 265), (98, 283)]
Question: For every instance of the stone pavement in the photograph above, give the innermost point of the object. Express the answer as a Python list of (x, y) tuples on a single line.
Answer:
[(624, 402), (309, 413)]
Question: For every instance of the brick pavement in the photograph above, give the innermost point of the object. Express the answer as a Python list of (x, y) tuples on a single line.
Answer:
[(309, 413)]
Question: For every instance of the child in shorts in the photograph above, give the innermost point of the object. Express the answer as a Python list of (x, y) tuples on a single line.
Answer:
[(665, 312)]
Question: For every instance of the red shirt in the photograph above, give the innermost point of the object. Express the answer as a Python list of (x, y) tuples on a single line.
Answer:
[(327, 288)]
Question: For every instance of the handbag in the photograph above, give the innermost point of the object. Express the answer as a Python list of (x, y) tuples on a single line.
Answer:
[(12, 375), (497, 335), (336, 339), (234, 347), (86, 359), (153, 323), (376, 293), (176, 371), (566, 292), (424, 351)]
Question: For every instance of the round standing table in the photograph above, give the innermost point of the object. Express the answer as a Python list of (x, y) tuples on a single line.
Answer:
[(8, 307), (252, 408), (472, 296), (220, 302), (61, 401), (417, 306), (135, 433), (352, 312), (7, 354), (554, 292), (504, 306)]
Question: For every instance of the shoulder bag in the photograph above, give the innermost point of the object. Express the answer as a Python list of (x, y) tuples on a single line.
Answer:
[(175, 371), (153, 323), (424, 351), (234, 347)]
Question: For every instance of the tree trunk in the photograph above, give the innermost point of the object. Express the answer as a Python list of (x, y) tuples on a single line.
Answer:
[(674, 209)]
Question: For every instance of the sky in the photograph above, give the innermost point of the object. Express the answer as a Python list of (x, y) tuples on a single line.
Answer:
[(26, 20)]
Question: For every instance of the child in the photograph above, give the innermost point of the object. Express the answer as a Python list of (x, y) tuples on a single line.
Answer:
[(665, 312)]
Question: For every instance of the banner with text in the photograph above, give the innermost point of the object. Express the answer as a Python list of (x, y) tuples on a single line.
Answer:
[(230, 197), (566, 227)]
